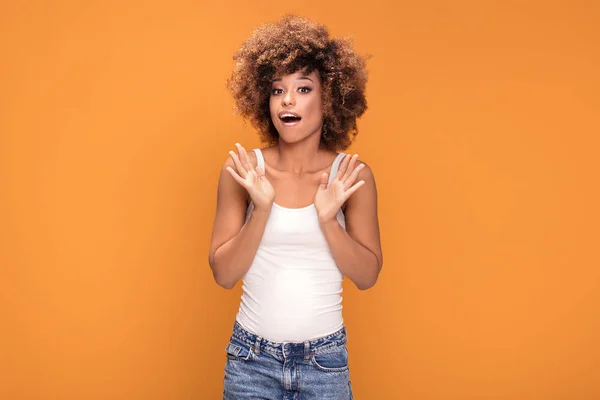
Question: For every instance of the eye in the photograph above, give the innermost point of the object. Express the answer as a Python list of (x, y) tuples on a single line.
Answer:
[(276, 91), (304, 89)]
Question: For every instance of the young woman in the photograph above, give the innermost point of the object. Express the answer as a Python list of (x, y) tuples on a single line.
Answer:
[(295, 217)]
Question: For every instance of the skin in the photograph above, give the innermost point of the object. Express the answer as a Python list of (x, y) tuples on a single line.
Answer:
[(296, 175)]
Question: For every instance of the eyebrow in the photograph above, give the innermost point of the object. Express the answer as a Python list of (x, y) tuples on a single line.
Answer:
[(298, 79)]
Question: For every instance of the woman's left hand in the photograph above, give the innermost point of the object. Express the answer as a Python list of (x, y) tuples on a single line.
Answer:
[(330, 197)]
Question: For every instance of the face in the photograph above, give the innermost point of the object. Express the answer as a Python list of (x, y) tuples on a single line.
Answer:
[(296, 106)]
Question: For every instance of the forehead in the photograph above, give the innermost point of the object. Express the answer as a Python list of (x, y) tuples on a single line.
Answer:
[(297, 76)]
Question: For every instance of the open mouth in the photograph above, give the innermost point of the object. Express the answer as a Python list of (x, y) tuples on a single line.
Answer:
[(290, 119)]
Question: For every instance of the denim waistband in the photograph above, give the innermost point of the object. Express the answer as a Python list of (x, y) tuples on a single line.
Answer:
[(259, 343)]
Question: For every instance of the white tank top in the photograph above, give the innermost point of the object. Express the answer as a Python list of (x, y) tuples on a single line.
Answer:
[(292, 290)]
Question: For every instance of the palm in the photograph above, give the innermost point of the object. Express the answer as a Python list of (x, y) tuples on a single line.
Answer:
[(260, 190), (329, 200), (252, 179), (331, 196)]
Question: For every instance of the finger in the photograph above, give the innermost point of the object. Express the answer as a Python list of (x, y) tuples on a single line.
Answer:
[(238, 164), (342, 168), (236, 176), (244, 157), (323, 184), (260, 173), (350, 169), (353, 189), (352, 178)]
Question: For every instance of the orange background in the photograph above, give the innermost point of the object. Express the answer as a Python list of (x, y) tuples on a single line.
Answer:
[(482, 132)]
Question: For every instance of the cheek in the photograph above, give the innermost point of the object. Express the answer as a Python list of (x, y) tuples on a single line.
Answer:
[(272, 108), (316, 107), (317, 111)]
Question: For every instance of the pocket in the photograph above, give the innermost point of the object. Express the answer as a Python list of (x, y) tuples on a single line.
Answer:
[(331, 360), (238, 350)]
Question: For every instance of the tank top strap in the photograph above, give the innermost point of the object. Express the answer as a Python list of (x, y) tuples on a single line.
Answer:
[(335, 166), (260, 160)]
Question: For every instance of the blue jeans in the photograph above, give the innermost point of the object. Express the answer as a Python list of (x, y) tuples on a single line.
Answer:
[(260, 369)]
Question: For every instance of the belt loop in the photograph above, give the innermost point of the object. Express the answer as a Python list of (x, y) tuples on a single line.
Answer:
[(306, 350), (257, 345)]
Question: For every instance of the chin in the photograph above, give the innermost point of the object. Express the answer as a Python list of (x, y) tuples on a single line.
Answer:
[(295, 137)]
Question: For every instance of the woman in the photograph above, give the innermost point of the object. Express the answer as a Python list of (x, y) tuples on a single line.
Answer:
[(295, 217)]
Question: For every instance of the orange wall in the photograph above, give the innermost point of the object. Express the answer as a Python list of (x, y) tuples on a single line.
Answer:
[(482, 132)]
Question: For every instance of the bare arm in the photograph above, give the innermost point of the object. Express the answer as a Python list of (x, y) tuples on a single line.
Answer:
[(357, 250), (234, 241)]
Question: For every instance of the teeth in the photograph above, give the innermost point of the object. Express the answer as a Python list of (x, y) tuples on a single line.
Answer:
[(289, 115)]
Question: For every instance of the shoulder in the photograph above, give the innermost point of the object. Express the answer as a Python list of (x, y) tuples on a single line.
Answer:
[(362, 221), (368, 191), (269, 154), (366, 173), (366, 195)]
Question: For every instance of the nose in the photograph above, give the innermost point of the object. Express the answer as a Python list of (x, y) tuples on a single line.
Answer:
[(288, 99)]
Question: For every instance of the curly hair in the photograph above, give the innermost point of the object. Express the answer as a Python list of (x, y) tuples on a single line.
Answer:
[(295, 44)]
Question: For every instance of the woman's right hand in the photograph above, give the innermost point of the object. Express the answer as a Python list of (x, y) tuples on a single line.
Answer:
[(252, 179)]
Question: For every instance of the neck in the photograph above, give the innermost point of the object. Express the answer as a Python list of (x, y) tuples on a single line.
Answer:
[(299, 158)]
